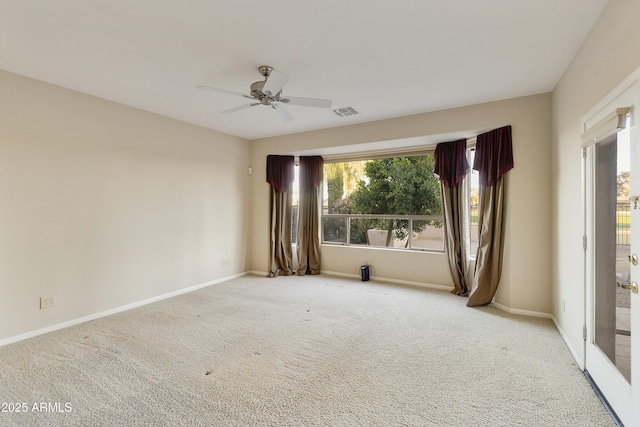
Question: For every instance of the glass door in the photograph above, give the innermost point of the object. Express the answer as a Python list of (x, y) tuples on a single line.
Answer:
[(612, 302), (612, 243)]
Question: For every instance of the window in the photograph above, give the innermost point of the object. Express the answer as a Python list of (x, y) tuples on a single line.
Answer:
[(390, 202), (295, 202), (474, 198)]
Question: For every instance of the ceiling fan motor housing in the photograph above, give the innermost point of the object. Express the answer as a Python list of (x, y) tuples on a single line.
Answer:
[(256, 89), (257, 93)]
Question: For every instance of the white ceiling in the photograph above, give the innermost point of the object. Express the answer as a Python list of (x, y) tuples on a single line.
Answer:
[(384, 58)]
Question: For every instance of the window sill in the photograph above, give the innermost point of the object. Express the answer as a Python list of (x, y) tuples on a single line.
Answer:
[(382, 248)]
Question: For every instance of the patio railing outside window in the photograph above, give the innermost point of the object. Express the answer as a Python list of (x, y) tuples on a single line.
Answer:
[(417, 232)]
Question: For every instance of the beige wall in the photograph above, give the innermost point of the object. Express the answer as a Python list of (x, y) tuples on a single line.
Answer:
[(609, 54), (104, 205), (526, 280)]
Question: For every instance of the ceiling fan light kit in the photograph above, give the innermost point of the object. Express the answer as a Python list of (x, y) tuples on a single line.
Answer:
[(269, 92)]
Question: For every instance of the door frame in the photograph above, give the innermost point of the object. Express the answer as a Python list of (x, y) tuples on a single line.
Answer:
[(616, 390)]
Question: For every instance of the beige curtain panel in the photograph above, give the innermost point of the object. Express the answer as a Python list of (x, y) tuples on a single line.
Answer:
[(451, 166), (455, 238), (490, 244), (310, 200), (493, 159), (280, 175)]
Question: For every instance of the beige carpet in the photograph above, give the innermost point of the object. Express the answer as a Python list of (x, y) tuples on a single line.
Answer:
[(300, 351)]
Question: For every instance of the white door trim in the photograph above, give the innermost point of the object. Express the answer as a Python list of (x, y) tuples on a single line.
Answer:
[(620, 394)]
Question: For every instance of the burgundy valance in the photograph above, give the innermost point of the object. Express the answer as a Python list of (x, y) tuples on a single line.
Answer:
[(494, 155), (280, 172), (311, 172), (451, 162)]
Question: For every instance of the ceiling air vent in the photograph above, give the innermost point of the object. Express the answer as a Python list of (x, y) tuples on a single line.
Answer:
[(346, 111)]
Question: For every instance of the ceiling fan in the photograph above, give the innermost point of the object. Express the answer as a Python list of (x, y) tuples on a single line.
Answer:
[(269, 92)]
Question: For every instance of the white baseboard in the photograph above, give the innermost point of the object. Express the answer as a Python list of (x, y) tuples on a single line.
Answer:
[(375, 279), (387, 280), (257, 273), (520, 311), (337, 274), (120, 309), (443, 288), (579, 360)]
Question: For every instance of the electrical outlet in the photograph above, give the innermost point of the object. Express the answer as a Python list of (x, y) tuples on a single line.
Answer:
[(47, 302)]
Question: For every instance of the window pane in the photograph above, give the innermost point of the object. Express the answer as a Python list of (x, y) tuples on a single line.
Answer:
[(391, 186), (428, 235), (358, 232), (294, 224), (473, 231), (341, 179), (391, 233), (295, 197), (474, 191), (334, 230)]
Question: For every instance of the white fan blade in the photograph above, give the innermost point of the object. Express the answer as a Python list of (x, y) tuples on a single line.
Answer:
[(215, 89), (307, 102), (274, 82), (241, 107), (282, 113)]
